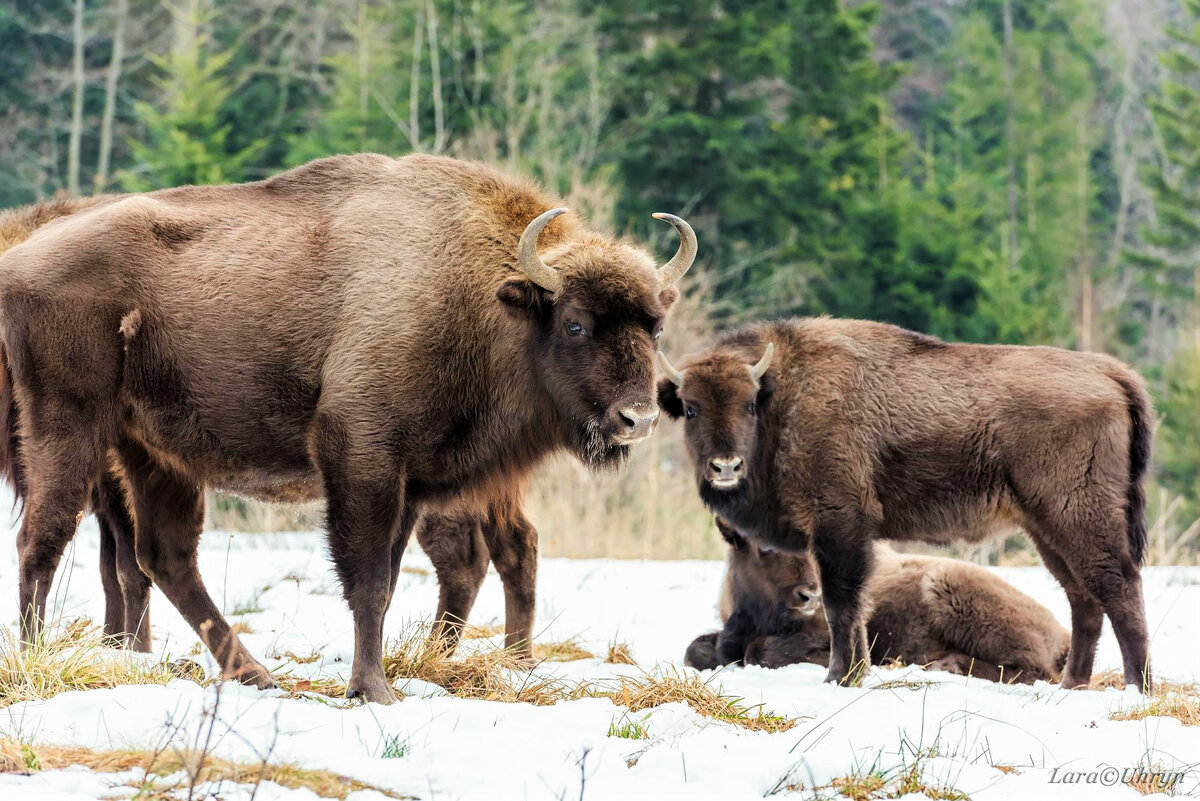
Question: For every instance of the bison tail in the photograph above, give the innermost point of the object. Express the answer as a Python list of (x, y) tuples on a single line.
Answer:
[(11, 467), (1141, 431)]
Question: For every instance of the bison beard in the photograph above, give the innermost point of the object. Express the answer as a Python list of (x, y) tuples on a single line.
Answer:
[(393, 334), (861, 431)]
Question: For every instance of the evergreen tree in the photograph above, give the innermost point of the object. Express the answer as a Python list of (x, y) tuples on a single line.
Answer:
[(184, 140)]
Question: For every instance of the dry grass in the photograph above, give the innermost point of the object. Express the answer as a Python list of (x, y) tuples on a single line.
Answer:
[(565, 651), (664, 687), (481, 632), (619, 653), (905, 782), (76, 659), (1169, 699), (161, 767), (490, 675)]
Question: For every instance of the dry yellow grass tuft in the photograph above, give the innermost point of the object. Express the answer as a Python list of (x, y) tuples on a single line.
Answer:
[(1183, 705), (664, 687), (163, 767), (565, 651), (906, 782), (481, 632), (619, 653), (77, 659), (490, 675)]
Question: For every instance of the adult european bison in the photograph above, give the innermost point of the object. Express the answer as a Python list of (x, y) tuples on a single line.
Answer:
[(923, 610), (858, 430), (381, 331)]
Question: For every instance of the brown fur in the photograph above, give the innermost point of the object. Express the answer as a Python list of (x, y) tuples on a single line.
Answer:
[(944, 613), (861, 431), (354, 328)]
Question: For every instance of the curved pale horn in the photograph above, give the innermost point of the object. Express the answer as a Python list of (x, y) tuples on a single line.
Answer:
[(758, 370), (673, 270), (673, 374), (528, 260)]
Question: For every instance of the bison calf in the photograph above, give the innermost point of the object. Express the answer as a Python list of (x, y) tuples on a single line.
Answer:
[(944, 613), (830, 433)]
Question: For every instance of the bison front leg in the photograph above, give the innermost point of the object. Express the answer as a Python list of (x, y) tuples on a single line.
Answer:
[(364, 491), (114, 601), (844, 556), (455, 546), (513, 545)]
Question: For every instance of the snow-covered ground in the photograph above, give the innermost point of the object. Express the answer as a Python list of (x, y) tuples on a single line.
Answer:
[(455, 748)]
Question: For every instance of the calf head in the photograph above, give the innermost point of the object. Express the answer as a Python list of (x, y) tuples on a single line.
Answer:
[(719, 396), (780, 591), (597, 307)]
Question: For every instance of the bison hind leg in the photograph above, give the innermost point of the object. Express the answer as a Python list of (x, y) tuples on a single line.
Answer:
[(702, 653), (454, 544)]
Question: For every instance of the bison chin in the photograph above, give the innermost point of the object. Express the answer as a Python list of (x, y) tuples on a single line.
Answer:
[(597, 449), (727, 501)]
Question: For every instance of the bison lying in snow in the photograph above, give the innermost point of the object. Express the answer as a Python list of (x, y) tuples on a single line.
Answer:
[(383, 332), (944, 613), (830, 434)]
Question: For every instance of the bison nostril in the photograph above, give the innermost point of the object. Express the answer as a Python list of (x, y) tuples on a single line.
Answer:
[(627, 418), (727, 467)]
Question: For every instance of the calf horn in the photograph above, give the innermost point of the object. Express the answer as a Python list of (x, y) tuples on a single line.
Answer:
[(757, 371), (528, 260), (673, 270), (673, 374)]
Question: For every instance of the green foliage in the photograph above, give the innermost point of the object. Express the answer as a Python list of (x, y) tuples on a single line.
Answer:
[(185, 141), (1178, 453)]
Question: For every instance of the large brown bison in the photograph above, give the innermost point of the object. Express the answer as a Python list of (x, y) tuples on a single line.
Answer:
[(380, 331), (922, 610), (832, 433)]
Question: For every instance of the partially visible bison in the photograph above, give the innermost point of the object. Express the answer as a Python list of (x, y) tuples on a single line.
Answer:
[(830, 434), (923, 610), (391, 334)]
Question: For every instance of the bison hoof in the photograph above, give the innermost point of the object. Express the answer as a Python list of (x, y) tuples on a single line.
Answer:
[(253, 676), (376, 691)]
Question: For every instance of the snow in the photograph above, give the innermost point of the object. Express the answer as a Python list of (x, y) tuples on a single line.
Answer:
[(456, 748)]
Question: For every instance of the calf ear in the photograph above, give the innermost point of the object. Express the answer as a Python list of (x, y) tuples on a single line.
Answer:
[(523, 295), (668, 398), (730, 534)]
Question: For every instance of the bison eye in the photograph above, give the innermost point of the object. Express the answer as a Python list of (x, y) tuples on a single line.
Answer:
[(658, 335), (750, 409), (574, 329), (690, 412)]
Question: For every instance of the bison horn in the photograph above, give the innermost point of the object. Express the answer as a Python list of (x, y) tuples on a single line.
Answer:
[(673, 270), (673, 374), (530, 263), (757, 371)]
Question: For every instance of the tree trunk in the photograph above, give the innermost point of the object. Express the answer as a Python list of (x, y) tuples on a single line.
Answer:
[(1010, 135), (1086, 302), (76, 140), (111, 83)]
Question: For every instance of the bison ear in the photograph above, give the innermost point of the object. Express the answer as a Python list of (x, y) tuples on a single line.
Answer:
[(766, 389), (523, 295), (730, 534), (668, 296), (668, 398)]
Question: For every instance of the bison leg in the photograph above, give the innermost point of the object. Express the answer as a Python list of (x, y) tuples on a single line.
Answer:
[(844, 556), (1087, 617), (53, 508), (1117, 583), (513, 545), (169, 515), (702, 653), (367, 534), (114, 602), (455, 546), (132, 585)]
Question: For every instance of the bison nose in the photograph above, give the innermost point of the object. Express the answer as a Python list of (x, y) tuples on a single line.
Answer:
[(636, 422), (726, 468), (806, 598)]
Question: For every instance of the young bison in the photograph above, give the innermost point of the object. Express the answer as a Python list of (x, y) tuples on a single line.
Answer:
[(858, 431), (944, 613)]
